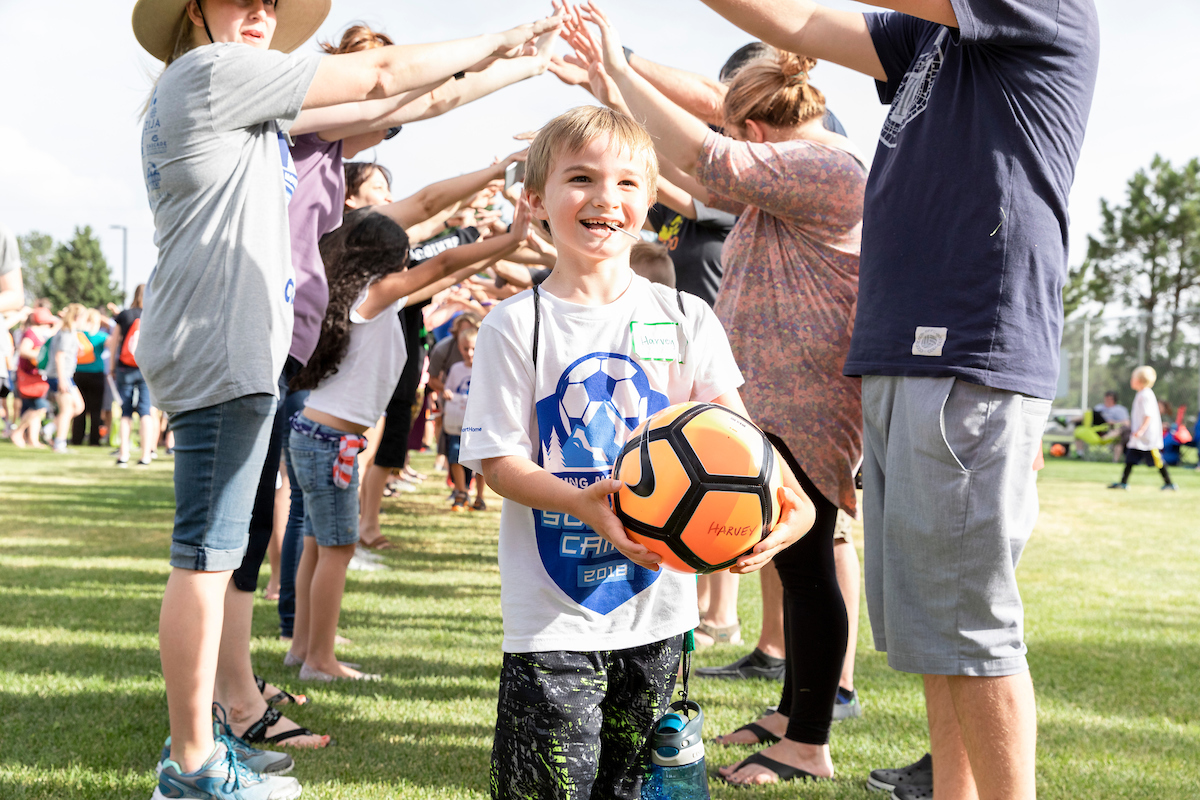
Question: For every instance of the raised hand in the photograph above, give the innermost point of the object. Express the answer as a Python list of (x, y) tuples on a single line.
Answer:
[(567, 72), (514, 42), (543, 46), (521, 220), (610, 41)]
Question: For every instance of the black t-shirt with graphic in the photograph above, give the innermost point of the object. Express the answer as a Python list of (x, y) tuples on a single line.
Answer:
[(695, 246)]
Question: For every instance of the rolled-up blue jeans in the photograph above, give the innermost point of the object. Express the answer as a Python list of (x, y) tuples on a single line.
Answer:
[(219, 453)]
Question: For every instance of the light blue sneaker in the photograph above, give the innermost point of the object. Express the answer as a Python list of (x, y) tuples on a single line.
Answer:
[(263, 762), (222, 777)]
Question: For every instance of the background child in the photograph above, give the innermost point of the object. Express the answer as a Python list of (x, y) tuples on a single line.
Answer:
[(653, 262), (60, 374), (458, 384), (358, 360), (1146, 441), (592, 628)]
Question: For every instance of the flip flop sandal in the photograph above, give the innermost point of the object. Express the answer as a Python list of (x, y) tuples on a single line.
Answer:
[(382, 543), (258, 731), (781, 770), (281, 699), (765, 737), (479, 506), (724, 634)]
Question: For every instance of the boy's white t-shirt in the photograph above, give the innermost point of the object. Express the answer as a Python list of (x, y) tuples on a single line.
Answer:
[(1145, 404), (458, 381), (563, 587)]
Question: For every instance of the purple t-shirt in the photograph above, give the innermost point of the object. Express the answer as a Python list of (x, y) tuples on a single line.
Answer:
[(315, 210)]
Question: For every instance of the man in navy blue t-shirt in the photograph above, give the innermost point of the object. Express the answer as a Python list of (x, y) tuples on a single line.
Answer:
[(964, 254)]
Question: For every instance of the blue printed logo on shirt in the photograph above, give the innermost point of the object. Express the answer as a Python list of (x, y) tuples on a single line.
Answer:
[(290, 177), (598, 400)]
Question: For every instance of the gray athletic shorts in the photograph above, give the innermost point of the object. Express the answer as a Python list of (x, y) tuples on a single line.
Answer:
[(950, 499)]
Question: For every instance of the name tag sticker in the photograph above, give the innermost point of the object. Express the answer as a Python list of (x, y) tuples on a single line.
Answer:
[(655, 341)]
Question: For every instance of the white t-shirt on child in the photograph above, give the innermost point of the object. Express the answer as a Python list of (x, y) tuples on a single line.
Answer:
[(368, 373), (458, 381), (563, 587), (1145, 404)]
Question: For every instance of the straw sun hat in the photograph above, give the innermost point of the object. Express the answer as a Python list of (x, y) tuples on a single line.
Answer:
[(156, 22)]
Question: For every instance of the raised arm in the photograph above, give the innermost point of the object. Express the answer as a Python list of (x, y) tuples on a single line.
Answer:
[(805, 27), (437, 196), (349, 119), (429, 273), (677, 134), (388, 71), (701, 97)]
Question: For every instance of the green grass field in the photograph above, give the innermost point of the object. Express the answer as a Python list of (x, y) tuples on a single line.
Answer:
[(1111, 582)]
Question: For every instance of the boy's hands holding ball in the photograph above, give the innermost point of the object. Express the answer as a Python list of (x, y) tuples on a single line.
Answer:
[(594, 509), (796, 519)]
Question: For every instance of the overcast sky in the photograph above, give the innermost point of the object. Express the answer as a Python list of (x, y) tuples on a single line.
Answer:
[(74, 80)]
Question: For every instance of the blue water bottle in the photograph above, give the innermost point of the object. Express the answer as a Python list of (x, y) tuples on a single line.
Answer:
[(677, 770)]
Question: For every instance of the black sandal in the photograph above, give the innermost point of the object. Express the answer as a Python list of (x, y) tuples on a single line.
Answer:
[(783, 771), (281, 699), (764, 735), (258, 731)]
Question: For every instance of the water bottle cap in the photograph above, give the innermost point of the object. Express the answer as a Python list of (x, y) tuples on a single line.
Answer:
[(677, 735), (670, 723)]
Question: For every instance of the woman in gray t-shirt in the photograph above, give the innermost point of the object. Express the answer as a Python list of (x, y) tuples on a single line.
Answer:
[(218, 318)]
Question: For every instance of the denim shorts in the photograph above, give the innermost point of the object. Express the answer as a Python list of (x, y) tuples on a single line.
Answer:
[(130, 383), (949, 499), (219, 454), (330, 513), (34, 404), (57, 386)]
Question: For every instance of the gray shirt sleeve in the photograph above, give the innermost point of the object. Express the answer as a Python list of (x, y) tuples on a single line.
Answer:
[(10, 254), (250, 86)]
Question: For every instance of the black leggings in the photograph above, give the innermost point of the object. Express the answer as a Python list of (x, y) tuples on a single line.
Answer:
[(392, 451), (815, 625), (91, 388)]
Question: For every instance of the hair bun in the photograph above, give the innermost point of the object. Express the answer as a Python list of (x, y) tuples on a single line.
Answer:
[(794, 67)]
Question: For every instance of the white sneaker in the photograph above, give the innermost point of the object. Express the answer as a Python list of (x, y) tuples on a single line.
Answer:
[(366, 555), (362, 565)]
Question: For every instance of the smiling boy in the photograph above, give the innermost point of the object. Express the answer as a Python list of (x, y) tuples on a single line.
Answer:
[(592, 628)]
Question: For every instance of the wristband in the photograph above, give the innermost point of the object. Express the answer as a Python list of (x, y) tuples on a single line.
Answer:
[(458, 76), (628, 54)]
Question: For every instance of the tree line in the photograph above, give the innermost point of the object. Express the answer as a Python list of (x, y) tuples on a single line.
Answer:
[(1143, 267), (67, 272)]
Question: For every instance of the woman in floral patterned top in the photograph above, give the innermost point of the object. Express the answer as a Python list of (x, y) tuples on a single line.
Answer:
[(787, 302)]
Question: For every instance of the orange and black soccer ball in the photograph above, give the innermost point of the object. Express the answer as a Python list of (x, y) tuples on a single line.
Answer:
[(1058, 449), (701, 486)]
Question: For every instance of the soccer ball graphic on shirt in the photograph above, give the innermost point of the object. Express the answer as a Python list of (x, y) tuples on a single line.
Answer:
[(601, 398)]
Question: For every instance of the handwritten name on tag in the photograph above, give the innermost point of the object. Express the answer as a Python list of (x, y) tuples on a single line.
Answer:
[(655, 341)]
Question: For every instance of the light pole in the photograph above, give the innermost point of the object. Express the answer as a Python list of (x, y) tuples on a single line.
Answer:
[(124, 262)]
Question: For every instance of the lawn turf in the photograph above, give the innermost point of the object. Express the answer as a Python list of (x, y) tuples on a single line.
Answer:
[(1111, 582)]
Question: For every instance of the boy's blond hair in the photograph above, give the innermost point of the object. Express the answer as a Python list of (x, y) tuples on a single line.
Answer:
[(1146, 375), (571, 131)]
